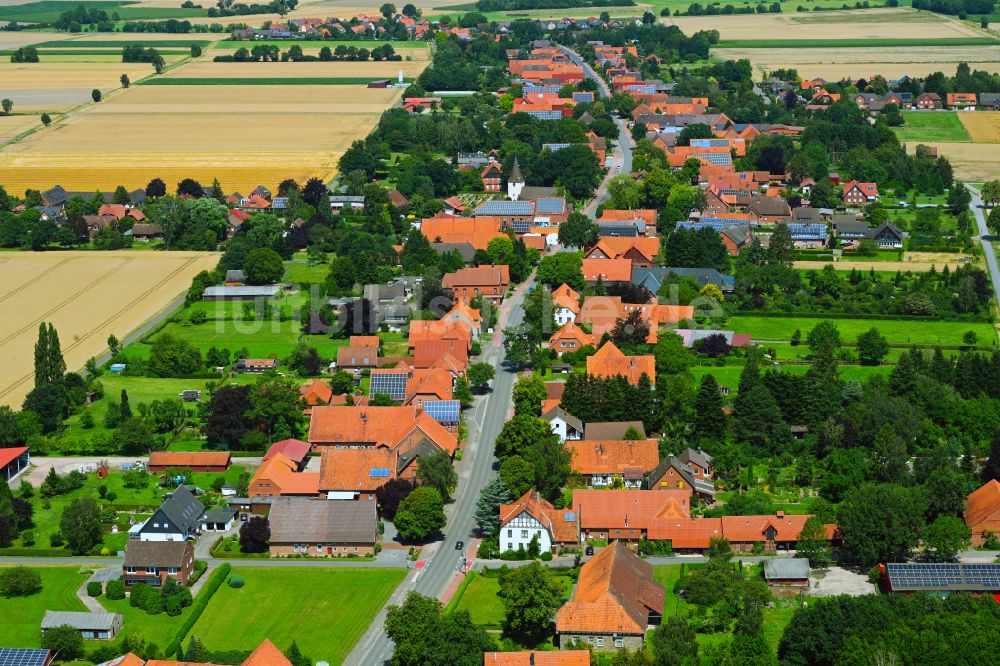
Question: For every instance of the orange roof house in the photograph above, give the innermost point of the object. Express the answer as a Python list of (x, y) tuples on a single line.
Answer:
[(858, 194), (961, 99), (609, 361), (647, 215), (448, 354), (982, 512), (316, 392), (628, 514), (266, 654), (436, 330), (476, 231), (609, 271), (461, 312), (601, 460), (490, 282), (389, 427), (641, 251), (365, 340), (613, 600), (354, 473), (431, 384), (569, 338), (279, 476), (557, 527), (540, 658)]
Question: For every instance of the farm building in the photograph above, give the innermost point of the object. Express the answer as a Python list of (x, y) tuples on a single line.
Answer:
[(101, 626), (240, 293), (322, 528), (255, 365), (13, 460), (196, 461), (786, 572)]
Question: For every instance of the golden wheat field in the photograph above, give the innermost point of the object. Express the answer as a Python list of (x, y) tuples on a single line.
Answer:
[(58, 86), (900, 23), (206, 69), (87, 296), (13, 125), (983, 126), (972, 162)]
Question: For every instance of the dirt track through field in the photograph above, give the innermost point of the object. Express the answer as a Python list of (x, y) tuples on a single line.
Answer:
[(87, 296)]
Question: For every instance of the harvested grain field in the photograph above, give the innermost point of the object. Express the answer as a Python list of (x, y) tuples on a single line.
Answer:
[(900, 23), (13, 125), (202, 69), (983, 126), (59, 86), (972, 162), (248, 99), (87, 296)]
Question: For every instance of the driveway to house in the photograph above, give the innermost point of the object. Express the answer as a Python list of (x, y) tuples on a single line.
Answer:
[(40, 466), (441, 561), (621, 156), (978, 211)]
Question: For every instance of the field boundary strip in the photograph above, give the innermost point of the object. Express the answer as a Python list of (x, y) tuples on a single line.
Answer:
[(266, 81)]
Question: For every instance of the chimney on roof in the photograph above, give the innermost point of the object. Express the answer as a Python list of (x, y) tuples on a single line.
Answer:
[(781, 514), (531, 659)]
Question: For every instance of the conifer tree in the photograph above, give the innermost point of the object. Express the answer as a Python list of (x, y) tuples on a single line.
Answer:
[(709, 419)]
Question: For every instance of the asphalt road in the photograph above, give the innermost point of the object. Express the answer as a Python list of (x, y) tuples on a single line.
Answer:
[(979, 212), (621, 157), (440, 561)]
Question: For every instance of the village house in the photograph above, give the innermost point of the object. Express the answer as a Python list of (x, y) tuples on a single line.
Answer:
[(982, 512), (532, 516), (569, 338), (153, 562), (97, 626), (674, 472), (653, 279), (962, 101), (255, 365), (857, 194), (609, 272), (317, 392), (490, 282), (627, 515), (608, 462), (929, 100), (294, 449), (178, 518), (492, 177), (470, 317), (609, 361), (354, 357), (566, 303), (322, 528), (563, 424), (280, 476), (640, 251), (768, 210), (614, 603), (408, 429), (351, 474)]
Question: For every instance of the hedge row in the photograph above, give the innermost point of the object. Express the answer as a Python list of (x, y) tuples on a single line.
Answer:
[(216, 580), (871, 317), (34, 552)]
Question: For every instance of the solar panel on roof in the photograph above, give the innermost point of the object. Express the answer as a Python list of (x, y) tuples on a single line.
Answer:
[(569, 516), (947, 576), (378, 472), (22, 657), (443, 411), (392, 384)]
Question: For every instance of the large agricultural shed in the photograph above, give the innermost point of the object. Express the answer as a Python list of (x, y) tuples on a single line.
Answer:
[(243, 293)]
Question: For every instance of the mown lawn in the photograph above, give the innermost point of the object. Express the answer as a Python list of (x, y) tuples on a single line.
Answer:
[(896, 331), (931, 126), (22, 616), (299, 272), (486, 608), (261, 339), (158, 629), (324, 610)]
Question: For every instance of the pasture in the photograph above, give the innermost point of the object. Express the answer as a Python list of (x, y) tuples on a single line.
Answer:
[(23, 615), (896, 331), (325, 610), (87, 296), (921, 126), (47, 11)]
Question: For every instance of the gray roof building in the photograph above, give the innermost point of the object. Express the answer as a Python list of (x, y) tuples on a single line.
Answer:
[(163, 554), (654, 277), (90, 625), (785, 568), (298, 520), (222, 293), (499, 207), (612, 429)]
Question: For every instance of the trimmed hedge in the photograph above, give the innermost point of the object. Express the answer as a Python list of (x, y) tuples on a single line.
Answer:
[(94, 589), (236, 582), (866, 317), (116, 589), (215, 581)]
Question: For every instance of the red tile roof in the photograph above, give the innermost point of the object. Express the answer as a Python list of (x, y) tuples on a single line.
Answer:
[(352, 469), (8, 455), (267, 654), (293, 449), (606, 509), (634, 459), (555, 520), (481, 276), (982, 509), (609, 361), (376, 426), (609, 270), (614, 594), (317, 392)]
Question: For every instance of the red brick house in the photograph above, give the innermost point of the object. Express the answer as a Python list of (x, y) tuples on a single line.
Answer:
[(153, 562), (859, 194), (490, 282), (929, 100), (569, 338), (492, 176)]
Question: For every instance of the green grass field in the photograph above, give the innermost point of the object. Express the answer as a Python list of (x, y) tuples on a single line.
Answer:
[(266, 81), (485, 607), (896, 331), (301, 272), (260, 338), (158, 629), (324, 610), (48, 11), (22, 616), (931, 126), (729, 375), (851, 43)]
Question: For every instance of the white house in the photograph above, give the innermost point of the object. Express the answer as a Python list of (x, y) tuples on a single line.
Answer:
[(532, 516), (564, 424)]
